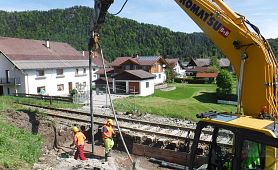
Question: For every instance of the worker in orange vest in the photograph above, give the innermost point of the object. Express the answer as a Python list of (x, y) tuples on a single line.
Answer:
[(264, 114), (79, 142), (107, 134)]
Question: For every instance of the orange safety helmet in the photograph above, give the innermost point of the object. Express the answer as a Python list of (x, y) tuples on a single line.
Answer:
[(109, 121), (264, 109)]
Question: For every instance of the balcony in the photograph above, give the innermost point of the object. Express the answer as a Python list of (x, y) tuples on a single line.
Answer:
[(10, 81)]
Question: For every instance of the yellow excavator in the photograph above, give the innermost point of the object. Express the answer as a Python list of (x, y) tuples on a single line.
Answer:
[(246, 139)]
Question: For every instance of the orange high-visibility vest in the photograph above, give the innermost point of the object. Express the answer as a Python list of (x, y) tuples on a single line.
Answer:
[(79, 139), (107, 131)]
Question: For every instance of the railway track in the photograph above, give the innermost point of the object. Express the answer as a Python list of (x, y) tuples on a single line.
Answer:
[(169, 132)]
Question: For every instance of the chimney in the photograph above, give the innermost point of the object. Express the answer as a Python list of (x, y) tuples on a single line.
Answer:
[(47, 44), (136, 56)]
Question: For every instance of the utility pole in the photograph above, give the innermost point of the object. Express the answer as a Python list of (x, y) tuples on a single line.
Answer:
[(91, 100), (98, 18)]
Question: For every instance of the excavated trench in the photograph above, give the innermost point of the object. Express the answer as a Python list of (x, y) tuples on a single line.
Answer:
[(56, 136)]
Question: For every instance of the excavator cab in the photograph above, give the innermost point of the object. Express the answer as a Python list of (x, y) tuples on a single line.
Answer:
[(223, 141)]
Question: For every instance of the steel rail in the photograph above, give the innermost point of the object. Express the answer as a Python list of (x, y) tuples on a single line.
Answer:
[(125, 127)]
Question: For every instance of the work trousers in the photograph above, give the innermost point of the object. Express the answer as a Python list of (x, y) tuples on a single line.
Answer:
[(108, 144), (79, 153)]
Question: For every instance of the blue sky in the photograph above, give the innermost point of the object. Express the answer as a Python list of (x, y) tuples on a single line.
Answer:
[(166, 13)]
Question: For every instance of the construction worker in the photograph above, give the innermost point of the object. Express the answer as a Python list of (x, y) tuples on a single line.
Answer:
[(107, 134), (79, 142), (264, 113)]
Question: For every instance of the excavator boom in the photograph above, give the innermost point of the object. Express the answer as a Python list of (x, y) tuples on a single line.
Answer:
[(249, 53), (252, 143)]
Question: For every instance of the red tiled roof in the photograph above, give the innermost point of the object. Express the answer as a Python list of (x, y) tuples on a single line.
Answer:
[(101, 71), (119, 60), (141, 60), (28, 49), (206, 75), (172, 61), (140, 74), (198, 69)]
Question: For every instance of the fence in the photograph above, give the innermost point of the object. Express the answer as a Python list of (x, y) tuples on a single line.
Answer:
[(81, 97), (45, 97)]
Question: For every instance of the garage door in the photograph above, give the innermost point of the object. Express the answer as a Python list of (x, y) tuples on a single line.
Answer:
[(121, 87), (134, 88)]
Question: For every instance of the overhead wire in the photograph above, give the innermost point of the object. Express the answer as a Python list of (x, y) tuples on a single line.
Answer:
[(121, 8)]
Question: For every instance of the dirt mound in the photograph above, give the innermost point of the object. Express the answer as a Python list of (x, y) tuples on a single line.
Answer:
[(52, 135)]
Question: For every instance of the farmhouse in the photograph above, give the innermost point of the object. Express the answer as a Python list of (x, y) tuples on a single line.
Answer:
[(177, 67), (34, 66), (151, 64), (202, 65), (137, 82)]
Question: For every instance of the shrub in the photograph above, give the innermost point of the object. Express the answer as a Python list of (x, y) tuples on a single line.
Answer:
[(73, 92), (224, 82), (180, 80), (196, 81)]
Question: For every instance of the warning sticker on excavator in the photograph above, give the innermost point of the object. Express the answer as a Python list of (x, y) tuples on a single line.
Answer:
[(225, 32)]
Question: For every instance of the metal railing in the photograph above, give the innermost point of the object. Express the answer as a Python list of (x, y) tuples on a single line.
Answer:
[(45, 97), (10, 81)]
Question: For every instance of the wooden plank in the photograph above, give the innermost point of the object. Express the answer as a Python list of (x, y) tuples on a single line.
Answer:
[(181, 158)]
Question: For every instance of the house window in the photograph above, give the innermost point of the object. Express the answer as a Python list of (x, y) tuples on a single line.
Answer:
[(148, 68), (94, 69), (60, 87), (147, 84), (76, 71), (8, 91), (144, 68), (95, 76), (84, 84), (40, 72), (60, 71), (41, 90), (84, 70), (127, 67), (159, 76), (77, 85)]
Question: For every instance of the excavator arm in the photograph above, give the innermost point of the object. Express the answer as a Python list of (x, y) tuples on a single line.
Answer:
[(98, 18), (249, 53)]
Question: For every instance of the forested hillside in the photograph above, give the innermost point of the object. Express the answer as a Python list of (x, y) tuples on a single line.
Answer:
[(119, 36)]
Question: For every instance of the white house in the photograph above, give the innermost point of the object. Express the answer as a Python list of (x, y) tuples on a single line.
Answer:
[(32, 66), (177, 67), (137, 82)]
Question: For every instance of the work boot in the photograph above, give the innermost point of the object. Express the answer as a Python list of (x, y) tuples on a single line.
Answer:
[(105, 157)]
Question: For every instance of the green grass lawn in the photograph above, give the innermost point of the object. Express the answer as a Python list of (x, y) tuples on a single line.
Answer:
[(184, 102), (18, 148)]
